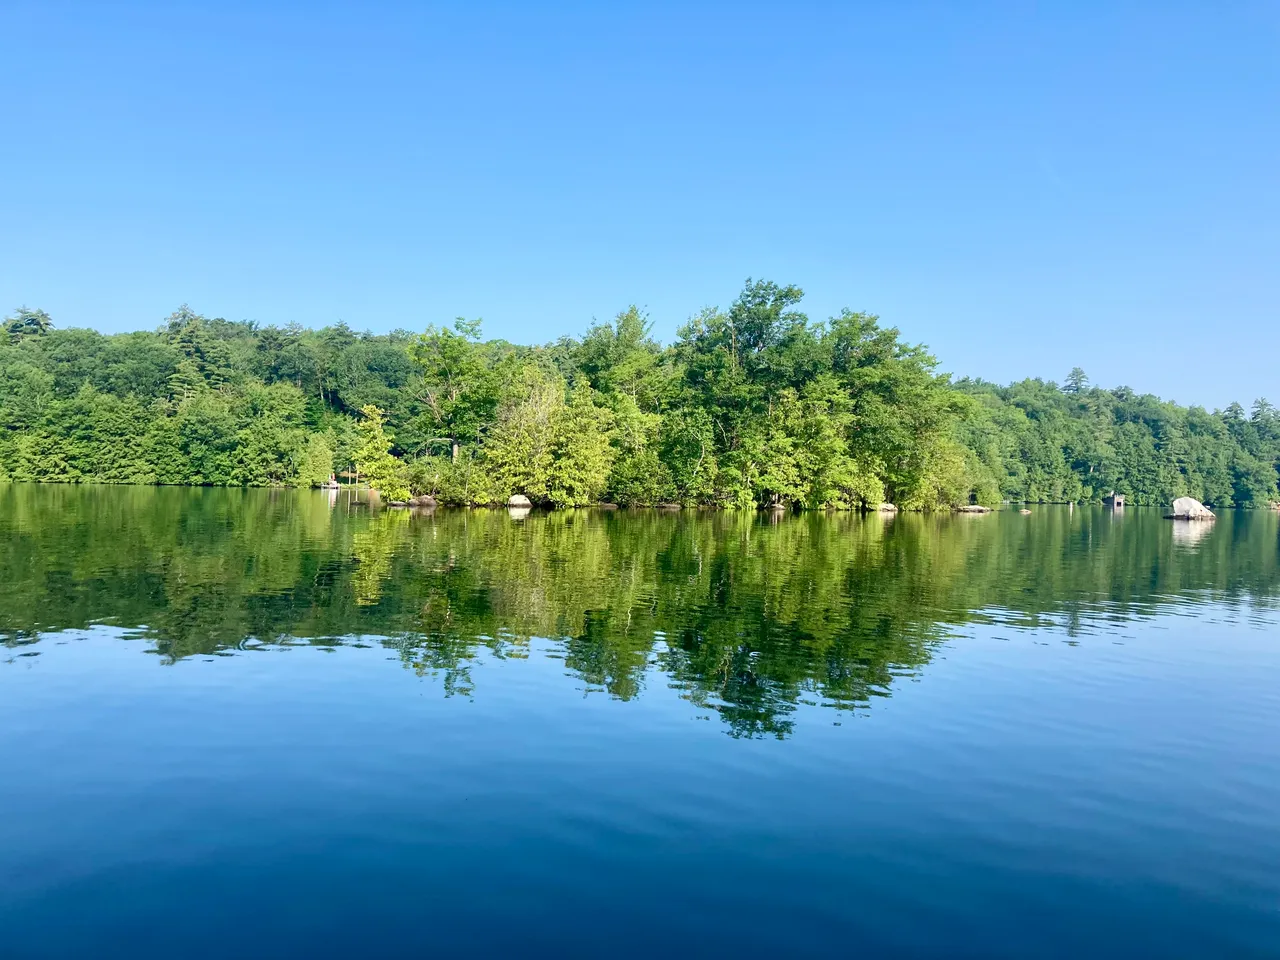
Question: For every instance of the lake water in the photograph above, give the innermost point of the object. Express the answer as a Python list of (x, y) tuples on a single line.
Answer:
[(274, 724)]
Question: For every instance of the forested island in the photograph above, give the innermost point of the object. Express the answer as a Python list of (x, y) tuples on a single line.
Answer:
[(756, 405)]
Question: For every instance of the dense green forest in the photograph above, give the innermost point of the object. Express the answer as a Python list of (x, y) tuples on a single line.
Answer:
[(750, 406)]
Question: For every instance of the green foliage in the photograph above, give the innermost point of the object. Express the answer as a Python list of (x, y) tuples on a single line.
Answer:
[(1042, 444), (316, 464), (581, 453), (755, 405), (521, 447), (27, 323), (270, 446), (622, 358), (374, 462), (466, 480), (459, 389), (638, 477), (686, 446)]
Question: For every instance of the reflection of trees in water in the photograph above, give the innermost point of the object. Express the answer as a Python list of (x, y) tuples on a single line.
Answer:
[(746, 617), (373, 548)]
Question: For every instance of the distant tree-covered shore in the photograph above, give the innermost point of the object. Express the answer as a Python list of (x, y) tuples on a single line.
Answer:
[(752, 406)]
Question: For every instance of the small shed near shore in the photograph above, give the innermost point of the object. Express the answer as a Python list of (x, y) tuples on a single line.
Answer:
[(1113, 500)]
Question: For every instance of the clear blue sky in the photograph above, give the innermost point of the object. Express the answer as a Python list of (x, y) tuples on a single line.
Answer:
[(1024, 187)]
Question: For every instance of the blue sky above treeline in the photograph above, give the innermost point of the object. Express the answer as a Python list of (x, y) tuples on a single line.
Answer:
[(1025, 189)]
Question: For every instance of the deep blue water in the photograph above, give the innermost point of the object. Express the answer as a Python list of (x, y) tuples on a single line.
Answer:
[(1091, 777)]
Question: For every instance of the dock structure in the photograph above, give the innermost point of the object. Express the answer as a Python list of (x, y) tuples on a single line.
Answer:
[(1113, 500)]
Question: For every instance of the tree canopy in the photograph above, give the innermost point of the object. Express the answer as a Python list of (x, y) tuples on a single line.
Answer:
[(754, 405)]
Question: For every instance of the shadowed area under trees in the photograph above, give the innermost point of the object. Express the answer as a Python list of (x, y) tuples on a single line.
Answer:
[(756, 405)]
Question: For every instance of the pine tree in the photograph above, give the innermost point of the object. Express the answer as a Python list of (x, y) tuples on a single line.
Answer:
[(521, 447), (26, 322), (581, 455), (383, 472)]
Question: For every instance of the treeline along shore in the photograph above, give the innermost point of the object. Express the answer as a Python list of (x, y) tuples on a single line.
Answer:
[(752, 406)]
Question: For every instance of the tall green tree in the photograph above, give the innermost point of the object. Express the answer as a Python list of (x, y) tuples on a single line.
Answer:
[(374, 462), (1076, 381), (522, 445), (581, 453), (25, 322), (459, 388)]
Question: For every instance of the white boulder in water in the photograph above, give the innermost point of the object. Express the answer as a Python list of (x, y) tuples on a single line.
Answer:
[(1189, 508)]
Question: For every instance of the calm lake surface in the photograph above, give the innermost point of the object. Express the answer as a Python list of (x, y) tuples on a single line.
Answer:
[(251, 723)]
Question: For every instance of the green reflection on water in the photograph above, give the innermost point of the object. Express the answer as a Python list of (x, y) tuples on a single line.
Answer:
[(748, 615)]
